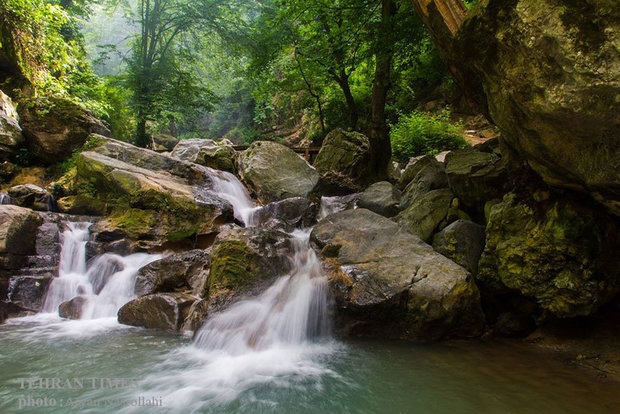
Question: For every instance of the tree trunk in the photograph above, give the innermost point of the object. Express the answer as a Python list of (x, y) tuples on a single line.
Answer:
[(443, 18), (142, 138), (343, 82), (380, 147)]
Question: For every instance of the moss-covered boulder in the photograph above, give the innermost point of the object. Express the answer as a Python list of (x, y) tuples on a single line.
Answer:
[(559, 251), (275, 172), (246, 261), (11, 137), (462, 242), (55, 127), (551, 73), (425, 215), (343, 162), (148, 197), (164, 311), (216, 155), (387, 282), (382, 198)]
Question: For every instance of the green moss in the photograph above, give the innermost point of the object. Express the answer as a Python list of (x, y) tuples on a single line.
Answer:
[(231, 265), (134, 222)]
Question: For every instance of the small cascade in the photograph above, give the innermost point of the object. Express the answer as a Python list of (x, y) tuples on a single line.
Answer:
[(292, 311), (5, 198), (233, 191), (107, 284)]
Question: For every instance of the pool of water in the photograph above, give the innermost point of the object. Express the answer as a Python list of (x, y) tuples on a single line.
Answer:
[(53, 366)]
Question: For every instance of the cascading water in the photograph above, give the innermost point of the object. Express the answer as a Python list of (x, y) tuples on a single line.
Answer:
[(107, 284), (231, 189), (5, 198)]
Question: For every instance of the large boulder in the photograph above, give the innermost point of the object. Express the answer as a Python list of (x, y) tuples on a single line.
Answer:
[(11, 137), (559, 251), (420, 177), (424, 216), (382, 198), (476, 177), (287, 215), (55, 127), (149, 196), (462, 242), (164, 311), (343, 161), (18, 230), (275, 172), (551, 73), (388, 283), (216, 155), (31, 196), (335, 204), (73, 309), (28, 292), (244, 261), (180, 271)]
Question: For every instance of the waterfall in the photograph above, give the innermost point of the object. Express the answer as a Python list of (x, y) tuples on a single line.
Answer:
[(292, 311), (233, 191), (107, 284), (5, 198)]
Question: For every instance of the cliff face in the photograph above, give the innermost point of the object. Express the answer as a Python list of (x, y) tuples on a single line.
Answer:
[(550, 70)]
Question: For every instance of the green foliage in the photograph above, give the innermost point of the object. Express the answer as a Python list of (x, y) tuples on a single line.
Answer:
[(70, 162), (419, 134)]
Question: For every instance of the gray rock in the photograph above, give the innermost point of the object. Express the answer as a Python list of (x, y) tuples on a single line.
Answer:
[(343, 162), (72, 309), (274, 172), (422, 176), (164, 311), (424, 216), (387, 282), (287, 215), (31, 196), (462, 242), (382, 198), (180, 271), (217, 155), (11, 137), (163, 142), (28, 292)]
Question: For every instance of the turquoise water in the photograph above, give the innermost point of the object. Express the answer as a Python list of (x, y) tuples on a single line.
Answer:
[(329, 377)]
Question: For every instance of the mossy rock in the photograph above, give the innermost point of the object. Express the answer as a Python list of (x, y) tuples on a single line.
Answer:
[(561, 252)]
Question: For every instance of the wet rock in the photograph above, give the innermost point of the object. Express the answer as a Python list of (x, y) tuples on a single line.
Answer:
[(28, 292), (560, 251), (382, 198), (426, 213), (287, 215), (56, 126), (387, 282), (8, 170), (274, 172), (163, 142), (476, 177), (31, 196), (335, 204), (216, 155), (164, 311), (196, 316), (343, 162), (180, 271), (73, 309), (420, 177), (11, 137), (18, 230), (246, 261), (550, 73), (462, 242)]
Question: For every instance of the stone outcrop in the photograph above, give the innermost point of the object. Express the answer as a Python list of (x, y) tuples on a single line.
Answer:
[(163, 142), (343, 162), (287, 215), (551, 74), (31, 196), (425, 215), (387, 282), (462, 242), (421, 176), (558, 250), (55, 127)]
